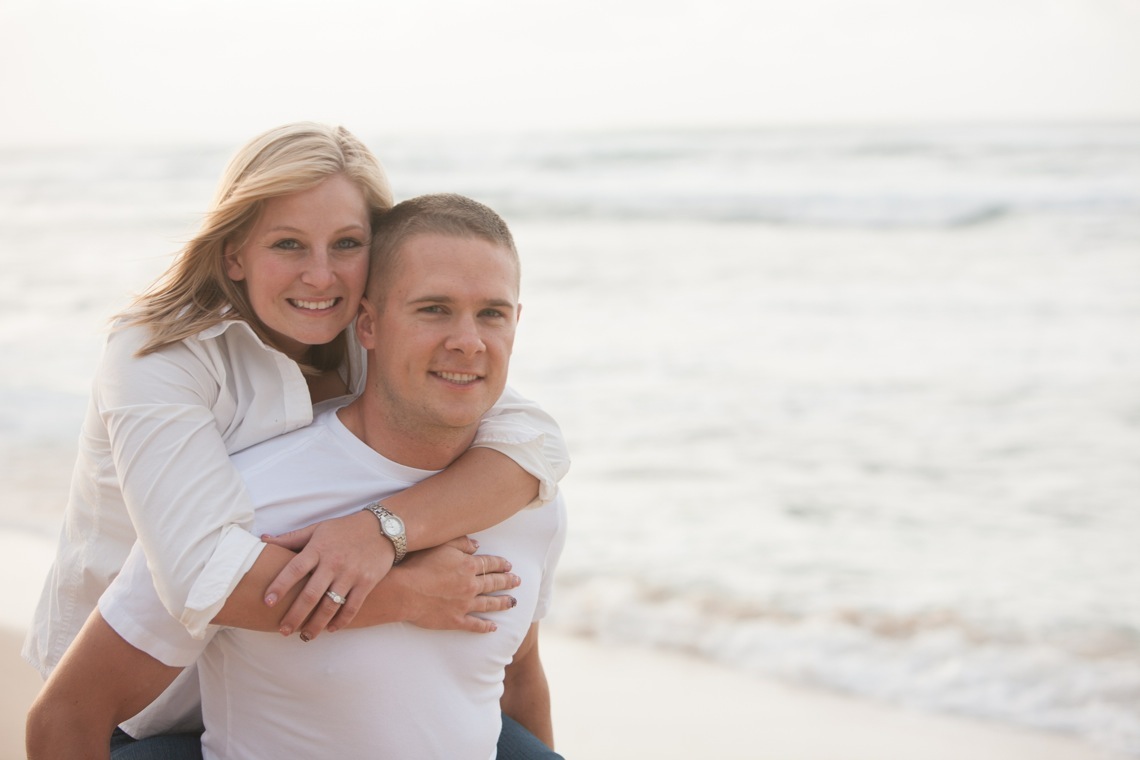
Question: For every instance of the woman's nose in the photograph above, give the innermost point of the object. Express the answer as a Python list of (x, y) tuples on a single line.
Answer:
[(318, 272)]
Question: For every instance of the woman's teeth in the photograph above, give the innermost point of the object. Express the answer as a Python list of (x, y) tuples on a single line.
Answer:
[(314, 305)]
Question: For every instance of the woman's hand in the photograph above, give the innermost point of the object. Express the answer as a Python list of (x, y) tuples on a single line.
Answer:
[(443, 587), (346, 555)]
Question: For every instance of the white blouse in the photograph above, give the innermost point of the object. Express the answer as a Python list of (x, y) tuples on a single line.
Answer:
[(153, 465)]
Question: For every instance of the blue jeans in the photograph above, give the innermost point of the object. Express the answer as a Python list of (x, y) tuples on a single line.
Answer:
[(162, 747), (515, 743)]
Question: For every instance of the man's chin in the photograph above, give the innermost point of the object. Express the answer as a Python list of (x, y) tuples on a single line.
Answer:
[(460, 416)]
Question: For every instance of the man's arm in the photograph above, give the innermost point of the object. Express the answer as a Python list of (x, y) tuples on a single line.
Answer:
[(87, 696), (103, 680), (526, 693)]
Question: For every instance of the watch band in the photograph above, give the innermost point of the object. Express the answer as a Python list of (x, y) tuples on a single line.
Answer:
[(391, 527)]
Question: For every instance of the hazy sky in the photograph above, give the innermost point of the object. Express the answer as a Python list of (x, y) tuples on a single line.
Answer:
[(141, 70)]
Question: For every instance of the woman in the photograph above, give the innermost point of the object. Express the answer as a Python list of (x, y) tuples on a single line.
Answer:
[(246, 331)]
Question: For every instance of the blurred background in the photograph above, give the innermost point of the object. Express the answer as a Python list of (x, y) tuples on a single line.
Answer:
[(837, 301)]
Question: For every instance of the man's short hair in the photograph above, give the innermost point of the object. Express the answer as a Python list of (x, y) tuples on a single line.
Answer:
[(447, 214)]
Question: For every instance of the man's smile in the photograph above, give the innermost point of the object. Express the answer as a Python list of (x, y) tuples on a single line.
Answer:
[(460, 378)]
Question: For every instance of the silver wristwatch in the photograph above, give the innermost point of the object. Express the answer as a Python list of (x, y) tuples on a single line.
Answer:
[(392, 527)]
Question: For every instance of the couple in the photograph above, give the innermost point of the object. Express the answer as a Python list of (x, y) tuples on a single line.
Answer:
[(438, 323)]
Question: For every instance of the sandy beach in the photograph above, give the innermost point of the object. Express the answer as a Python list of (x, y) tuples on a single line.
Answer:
[(614, 702)]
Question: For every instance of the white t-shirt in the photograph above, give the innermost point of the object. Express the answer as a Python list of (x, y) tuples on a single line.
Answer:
[(154, 461), (412, 692)]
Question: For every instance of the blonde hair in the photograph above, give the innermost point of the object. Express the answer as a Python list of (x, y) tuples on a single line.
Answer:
[(195, 293)]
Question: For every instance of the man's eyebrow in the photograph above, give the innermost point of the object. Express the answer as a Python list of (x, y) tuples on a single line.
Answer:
[(502, 303), (499, 302)]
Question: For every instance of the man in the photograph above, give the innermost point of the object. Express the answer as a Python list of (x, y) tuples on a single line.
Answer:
[(438, 323)]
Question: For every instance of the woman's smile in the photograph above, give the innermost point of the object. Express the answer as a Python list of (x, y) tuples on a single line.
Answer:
[(305, 263)]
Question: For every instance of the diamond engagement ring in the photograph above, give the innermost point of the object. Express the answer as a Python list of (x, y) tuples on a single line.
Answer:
[(335, 596)]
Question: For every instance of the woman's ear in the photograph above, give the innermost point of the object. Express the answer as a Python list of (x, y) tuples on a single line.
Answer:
[(232, 260), (366, 324)]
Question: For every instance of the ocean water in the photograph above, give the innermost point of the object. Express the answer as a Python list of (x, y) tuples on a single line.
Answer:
[(858, 408)]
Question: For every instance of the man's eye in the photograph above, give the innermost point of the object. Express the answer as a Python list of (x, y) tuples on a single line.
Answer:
[(494, 313), (432, 309)]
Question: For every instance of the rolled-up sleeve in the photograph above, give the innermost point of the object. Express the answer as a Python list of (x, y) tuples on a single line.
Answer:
[(186, 501), (519, 428), (131, 606)]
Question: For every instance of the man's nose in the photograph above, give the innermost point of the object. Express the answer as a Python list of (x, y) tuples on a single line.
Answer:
[(465, 337)]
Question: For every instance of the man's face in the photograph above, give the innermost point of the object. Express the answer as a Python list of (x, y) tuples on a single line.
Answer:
[(441, 340)]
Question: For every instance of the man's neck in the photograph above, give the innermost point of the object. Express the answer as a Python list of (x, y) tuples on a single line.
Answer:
[(421, 449)]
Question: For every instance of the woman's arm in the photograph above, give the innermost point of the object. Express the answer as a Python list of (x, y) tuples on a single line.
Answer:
[(517, 457), (104, 679), (171, 435), (170, 421), (480, 489), (440, 588)]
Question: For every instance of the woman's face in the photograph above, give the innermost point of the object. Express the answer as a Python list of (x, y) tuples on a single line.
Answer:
[(305, 263)]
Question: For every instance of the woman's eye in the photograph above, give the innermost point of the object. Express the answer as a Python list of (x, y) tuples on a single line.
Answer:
[(287, 245), (349, 243)]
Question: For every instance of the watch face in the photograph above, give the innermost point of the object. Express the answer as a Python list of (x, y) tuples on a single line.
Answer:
[(392, 525)]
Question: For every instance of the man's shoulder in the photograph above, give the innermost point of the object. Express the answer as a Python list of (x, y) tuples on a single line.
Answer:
[(536, 528), (296, 444)]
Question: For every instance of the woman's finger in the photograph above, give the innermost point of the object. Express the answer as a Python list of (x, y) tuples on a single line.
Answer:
[(294, 540), (290, 576), (464, 544), (489, 563), (327, 609), (496, 603), (492, 582), (347, 611), (306, 602), (473, 624)]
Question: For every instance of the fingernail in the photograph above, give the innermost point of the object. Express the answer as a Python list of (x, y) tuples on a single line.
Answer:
[(494, 628), (508, 565), (474, 543), (331, 629), (513, 601), (271, 600), (515, 580), (285, 630), (306, 637)]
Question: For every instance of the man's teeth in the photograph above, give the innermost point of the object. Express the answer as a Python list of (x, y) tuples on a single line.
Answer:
[(313, 304), (455, 377)]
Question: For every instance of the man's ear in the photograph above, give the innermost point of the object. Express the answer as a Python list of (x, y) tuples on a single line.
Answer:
[(366, 324), (232, 262)]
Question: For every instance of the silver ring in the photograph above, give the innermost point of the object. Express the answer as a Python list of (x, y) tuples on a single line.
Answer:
[(335, 596)]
